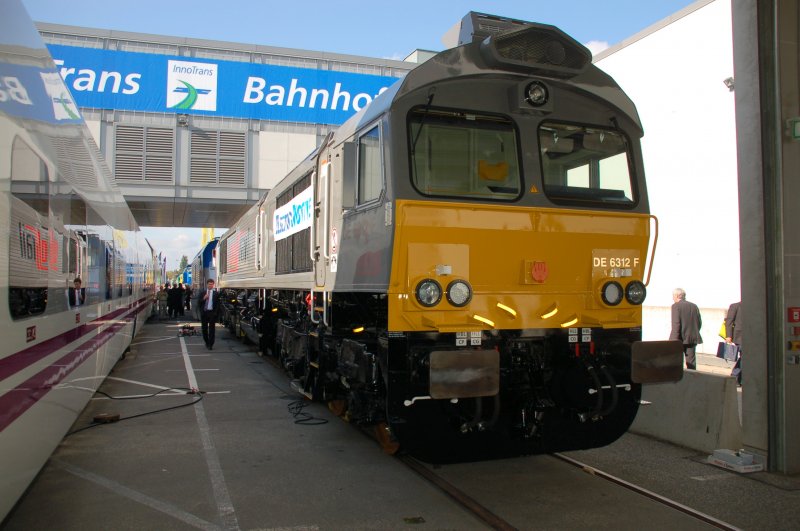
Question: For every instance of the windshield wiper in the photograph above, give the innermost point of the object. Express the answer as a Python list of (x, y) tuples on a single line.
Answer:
[(422, 120)]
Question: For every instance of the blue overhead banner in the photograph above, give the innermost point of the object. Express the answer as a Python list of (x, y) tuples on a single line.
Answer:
[(106, 79)]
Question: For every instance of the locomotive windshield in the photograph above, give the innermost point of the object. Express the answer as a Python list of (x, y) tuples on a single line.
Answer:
[(585, 164), (457, 154)]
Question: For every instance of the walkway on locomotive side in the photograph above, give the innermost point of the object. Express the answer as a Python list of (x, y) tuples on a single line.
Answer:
[(234, 457)]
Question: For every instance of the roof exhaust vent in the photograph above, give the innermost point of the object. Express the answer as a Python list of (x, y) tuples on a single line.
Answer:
[(477, 26)]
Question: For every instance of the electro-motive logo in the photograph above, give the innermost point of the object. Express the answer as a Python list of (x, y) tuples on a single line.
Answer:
[(191, 86)]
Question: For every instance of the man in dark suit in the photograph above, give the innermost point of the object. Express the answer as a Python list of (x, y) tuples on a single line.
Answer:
[(686, 324), (209, 308), (174, 298), (76, 295), (733, 331)]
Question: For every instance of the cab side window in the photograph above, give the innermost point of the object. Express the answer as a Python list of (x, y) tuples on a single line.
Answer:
[(370, 168)]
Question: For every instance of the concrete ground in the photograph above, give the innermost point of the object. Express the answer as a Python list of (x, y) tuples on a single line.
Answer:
[(250, 456)]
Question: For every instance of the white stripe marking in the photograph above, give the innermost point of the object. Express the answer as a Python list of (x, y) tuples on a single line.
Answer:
[(152, 341), (227, 513), (135, 382), (137, 496), (182, 393)]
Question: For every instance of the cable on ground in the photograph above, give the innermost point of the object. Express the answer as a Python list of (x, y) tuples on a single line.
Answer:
[(188, 391), (296, 408)]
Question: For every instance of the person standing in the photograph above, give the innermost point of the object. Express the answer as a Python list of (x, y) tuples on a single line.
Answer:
[(209, 306), (162, 302), (173, 300), (733, 331), (180, 294), (686, 324), (76, 294), (188, 296)]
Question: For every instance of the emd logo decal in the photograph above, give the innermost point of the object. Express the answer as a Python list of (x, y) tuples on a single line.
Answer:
[(191, 86)]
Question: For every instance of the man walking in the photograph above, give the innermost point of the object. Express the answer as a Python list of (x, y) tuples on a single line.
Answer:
[(733, 327), (686, 324), (209, 306)]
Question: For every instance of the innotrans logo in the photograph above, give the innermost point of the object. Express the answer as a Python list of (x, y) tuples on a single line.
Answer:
[(64, 107), (191, 86)]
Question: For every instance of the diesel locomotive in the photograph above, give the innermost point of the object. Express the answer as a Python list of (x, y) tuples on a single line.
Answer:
[(462, 265)]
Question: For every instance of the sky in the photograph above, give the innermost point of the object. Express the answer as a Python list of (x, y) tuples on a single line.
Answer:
[(388, 30)]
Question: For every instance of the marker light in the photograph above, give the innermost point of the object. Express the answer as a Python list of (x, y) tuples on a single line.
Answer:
[(550, 312), (573, 320), (611, 293), (358, 330), (483, 320), (429, 292), (459, 293), (536, 94), (508, 309), (635, 292)]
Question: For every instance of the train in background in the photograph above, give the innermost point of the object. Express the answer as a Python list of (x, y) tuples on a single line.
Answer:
[(185, 277), (461, 265), (203, 269), (61, 219)]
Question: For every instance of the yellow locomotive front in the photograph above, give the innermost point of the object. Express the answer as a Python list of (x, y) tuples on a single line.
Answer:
[(521, 249), (493, 264)]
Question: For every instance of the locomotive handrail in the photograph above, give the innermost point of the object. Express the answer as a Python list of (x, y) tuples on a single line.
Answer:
[(653, 251), (311, 308), (325, 308), (257, 254), (315, 175), (326, 174), (312, 236)]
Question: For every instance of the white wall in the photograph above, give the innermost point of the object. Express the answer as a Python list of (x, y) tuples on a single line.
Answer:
[(279, 153), (675, 77)]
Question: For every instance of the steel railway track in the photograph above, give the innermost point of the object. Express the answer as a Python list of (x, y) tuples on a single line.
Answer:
[(497, 522)]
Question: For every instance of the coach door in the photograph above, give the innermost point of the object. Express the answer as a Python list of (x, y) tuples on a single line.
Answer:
[(320, 246), (322, 220)]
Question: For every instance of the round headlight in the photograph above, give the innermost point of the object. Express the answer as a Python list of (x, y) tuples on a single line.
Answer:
[(635, 292), (536, 94), (429, 292), (611, 293), (459, 293)]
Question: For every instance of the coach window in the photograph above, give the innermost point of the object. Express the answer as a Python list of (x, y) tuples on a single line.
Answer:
[(581, 164), (370, 176), (33, 249), (465, 155)]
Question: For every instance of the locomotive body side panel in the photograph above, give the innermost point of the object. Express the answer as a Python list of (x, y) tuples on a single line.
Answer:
[(362, 196)]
